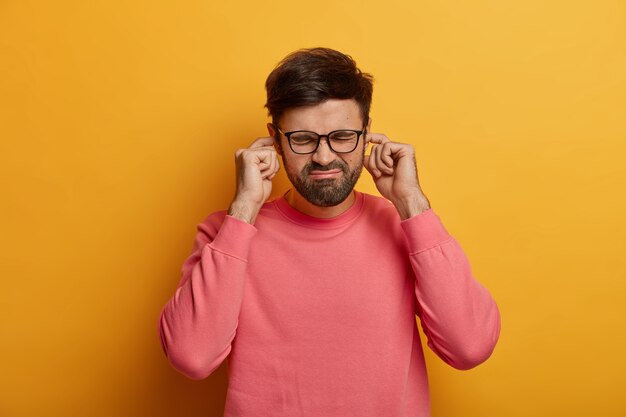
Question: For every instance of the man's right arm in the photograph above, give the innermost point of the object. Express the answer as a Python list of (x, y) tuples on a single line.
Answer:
[(198, 324)]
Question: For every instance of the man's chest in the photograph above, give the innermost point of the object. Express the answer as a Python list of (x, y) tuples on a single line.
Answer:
[(323, 287)]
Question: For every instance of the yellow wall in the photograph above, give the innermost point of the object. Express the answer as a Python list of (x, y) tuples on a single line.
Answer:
[(118, 122)]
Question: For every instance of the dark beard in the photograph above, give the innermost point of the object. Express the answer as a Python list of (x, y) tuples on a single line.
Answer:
[(325, 192)]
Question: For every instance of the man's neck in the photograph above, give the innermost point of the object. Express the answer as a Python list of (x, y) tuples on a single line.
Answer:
[(299, 203)]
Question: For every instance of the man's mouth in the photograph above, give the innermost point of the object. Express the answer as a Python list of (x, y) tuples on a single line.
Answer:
[(323, 174)]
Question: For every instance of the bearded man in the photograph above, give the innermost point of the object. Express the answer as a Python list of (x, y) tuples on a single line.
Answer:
[(312, 297)]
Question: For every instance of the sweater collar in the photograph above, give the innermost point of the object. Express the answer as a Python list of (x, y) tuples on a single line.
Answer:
[(320, 223)]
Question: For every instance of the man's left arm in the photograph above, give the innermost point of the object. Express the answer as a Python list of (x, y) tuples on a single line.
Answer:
[(458, 315)]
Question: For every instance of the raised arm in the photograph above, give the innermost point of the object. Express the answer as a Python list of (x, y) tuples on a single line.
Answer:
[(199, 323), (458, 315)]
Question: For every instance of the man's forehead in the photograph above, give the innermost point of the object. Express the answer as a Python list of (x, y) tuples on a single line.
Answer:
[(330, 114)]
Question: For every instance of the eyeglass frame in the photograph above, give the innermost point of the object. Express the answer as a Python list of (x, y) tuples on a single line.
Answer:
[(319, 139)]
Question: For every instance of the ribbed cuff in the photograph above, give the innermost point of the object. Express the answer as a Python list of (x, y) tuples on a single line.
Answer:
[(424, 231), (234, 237)]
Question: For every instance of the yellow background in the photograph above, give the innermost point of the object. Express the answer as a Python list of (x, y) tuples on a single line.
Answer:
[(118, 124)]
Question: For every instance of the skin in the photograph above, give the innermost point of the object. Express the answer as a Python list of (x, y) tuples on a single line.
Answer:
[(391, 164)]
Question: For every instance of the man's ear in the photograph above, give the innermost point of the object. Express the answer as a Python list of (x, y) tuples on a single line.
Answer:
[(369, 127), (271, 129)]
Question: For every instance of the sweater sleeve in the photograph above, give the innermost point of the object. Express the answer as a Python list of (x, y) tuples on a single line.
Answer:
[(458, 315), (199, 322)]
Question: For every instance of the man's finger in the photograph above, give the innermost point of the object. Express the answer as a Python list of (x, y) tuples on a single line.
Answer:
[(376, 160), (272, 167), (263, 141), (377, 138), (264, 156), (385, 155), (371, 169)]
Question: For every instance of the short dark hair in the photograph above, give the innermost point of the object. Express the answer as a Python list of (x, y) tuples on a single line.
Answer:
[(314, 75)]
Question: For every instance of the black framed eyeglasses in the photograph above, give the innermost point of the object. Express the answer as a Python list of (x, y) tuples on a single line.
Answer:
[(339, 141)]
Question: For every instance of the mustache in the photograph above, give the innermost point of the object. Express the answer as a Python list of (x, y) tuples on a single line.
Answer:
[(314, 166)]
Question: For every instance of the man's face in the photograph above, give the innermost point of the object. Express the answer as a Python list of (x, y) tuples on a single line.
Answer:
[(324, 178)]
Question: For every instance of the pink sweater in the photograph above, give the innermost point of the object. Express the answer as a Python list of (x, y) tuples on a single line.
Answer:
[(317, 316)]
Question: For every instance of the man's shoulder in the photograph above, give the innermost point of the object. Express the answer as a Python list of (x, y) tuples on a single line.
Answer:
[(377, 204), (211, 223), (375, 199)]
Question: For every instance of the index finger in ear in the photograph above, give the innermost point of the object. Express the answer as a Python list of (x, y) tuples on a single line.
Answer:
[(264, 141), (377, 138)]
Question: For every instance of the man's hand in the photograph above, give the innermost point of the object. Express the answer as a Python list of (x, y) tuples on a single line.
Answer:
[(256, 167), (392, 166)]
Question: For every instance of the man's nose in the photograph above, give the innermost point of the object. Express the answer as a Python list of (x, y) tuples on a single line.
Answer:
[(323, 155)]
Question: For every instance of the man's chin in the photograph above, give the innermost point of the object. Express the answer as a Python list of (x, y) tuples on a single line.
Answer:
[(326, 198), (325, 182), (325, 192)]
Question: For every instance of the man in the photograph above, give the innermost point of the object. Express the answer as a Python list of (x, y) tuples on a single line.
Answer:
[(312, 296)]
